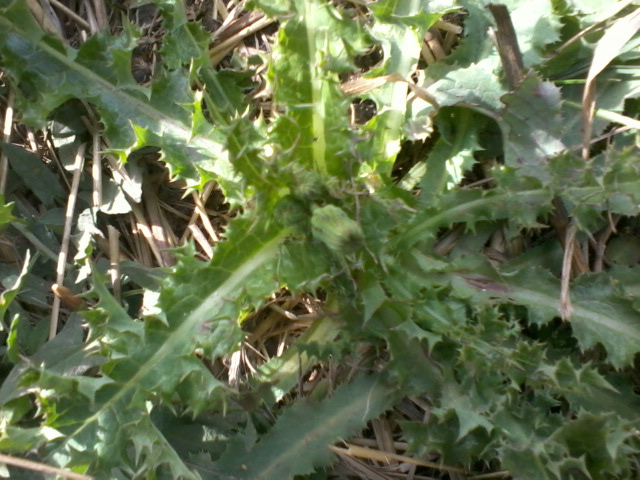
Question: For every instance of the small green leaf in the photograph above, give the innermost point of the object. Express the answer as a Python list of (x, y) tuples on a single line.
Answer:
[(532, 127), (598, 439), (6, 215), (35, 174), (12, 287)]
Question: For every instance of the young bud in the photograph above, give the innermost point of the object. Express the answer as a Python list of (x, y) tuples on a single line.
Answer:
[(336, 230)]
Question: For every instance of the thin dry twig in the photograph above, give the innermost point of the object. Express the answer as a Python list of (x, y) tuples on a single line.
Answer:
[(46, 18), (370, 442), (433, 42), (202, 212), (386, 457), (384, 436), (161, 234), (201, 239), (66, 236), (88, 7), (31, 138), (142, 227), (362, 470), (487, 476), (508, 47), (617, 8), (601, 242), (566, 309), (71, 14), (96, 169), (220, 8), (40, 467), (254, 23), (427, 54), (579, 263), (197, 212), (6, 138), (448, 26), (100, 11), (363, 85), (114, 256)]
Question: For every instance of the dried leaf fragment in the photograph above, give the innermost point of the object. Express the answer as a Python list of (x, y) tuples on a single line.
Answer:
[(69, 299)]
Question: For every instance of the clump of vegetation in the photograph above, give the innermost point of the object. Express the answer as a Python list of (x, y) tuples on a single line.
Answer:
[(320, 239)]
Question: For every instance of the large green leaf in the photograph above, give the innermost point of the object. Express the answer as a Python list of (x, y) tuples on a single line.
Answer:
[(298, 443), (599, 316), (155, 360), (478, 347), (313, 47), (49, 73)]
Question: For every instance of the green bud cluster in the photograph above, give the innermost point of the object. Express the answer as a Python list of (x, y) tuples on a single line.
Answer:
[(333, 227)]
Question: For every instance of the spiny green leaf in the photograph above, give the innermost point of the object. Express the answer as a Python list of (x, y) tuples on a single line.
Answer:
[(452, 155), (524, 200), (532, 127), (55, 74), (469, 416), (528, 464), (298, 443), (35, 174), (475, 43), (475, 86), (597, 439), (24, 439), (155, 360), (401, 48), (314, 128), (598, 316), (589, 390), (504, 380), (65, 355), (184, 42), (282, 373), (471, 206), (11, 287)]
